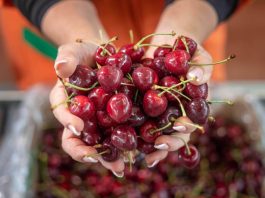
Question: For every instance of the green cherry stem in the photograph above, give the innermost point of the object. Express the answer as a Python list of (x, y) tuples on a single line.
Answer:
[(160, 129), (183, 39), (215, 63), (68, 99), (104, 50), (67, 84), (97, 154), (129, 77), (185, 143), (136, 95), (191, 124)]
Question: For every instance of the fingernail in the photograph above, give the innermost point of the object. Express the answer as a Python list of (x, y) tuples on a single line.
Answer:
[(153, 164), (180, 128), (58, 62), (195, 73), (73, 129), (161, 146), (125, 159), (118, 174), (89, 159)]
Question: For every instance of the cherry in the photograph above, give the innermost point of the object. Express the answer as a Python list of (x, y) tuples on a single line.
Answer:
[(154, 104), (148, 62), (120, 60), (127, 88), (149, 132), (124, 138), (90, 126), (162, 51), (169, 81), (113, 152), (82, 107), (184, 41), (137, 117), (189, 158), (119, 107), (177, 62), (91, 138), (157, 64), (104, 120), (99, 97), (198, 110), (108, 132), (169, 116), (145, 147), (144, 78), (196, 91), (101, 55), (109, 78), (136, 53)]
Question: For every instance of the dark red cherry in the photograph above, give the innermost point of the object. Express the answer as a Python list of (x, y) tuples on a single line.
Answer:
[(109, 78), (108, 132), (112, 153), (99, 97), (197, 110), (128, 90), (189, 160), (104, 120), (90, 126), (192, 45), (145, 147), (196, 91), (169, 81), (137, 117), (146, 131), (136, 54), (153, 104), (101, 56), (159, 66), (168, 116), (82, 107), (119, 107), (176, 62), (162, 51), (120, 60), (144, 78), (91, 138), (148, 62), (124, 138)]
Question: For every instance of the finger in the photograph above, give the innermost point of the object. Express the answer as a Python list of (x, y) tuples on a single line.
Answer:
[(117, 167), (61, 112), (184, 125), (170, 142), (77, 149), (154, 158), (73, 54), (201, 73)]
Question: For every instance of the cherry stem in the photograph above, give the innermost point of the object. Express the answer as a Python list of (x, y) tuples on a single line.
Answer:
[(130, 160), (98, 65), (97, 146), (174, 90), (80, 88), (211, 119), (192, 124), (215, 63), (126, 84), (68, 99), (229, 102), (185, 143), (136, 95), (150, 35), (104, 50), (131, 36), (152, 45), (129, 77), (97, 154), (183, 39), (160, 129)]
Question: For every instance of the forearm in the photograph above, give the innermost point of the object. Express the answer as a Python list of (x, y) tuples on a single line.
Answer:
[(68, 20)]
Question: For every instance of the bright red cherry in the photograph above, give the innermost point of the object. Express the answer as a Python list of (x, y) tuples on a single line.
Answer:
[(153, 104), (137, 117), (104, 120), (119, 107), (196, 91), (189, 160), (169, 81), (91, 138), (136, 53), (82, 107), (128, 90), (101, 56), (99, 97), (162, 51), (109, 78), (112, 153), (124, 138), (144, 78), (192, 45), (198, 110), (148, 133), (145, 147), (168, 116), (176, 62), (120, 60)]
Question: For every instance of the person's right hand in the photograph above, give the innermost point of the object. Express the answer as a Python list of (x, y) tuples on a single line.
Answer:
[(69, 56)]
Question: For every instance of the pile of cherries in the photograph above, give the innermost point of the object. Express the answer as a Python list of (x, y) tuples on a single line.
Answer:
[(127, 101)]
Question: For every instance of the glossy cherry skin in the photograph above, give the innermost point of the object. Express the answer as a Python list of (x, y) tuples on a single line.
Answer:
[(137, 117), (196, 91), (119, 107), (145, 147), (169, 81), (82, 107), (120, 60), (101, 57), (144, 78), (135, 54), (91, 138), (113, 152), (146, 129), (189, 161), (159, 66), (192, 45), (104, 120), (127, 89), (176, 62), (99, 97), (124, 138), (198, 110), (162, 51), (153, 104), (148, 62), (109, 78), (168, 116), (90, 126)]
